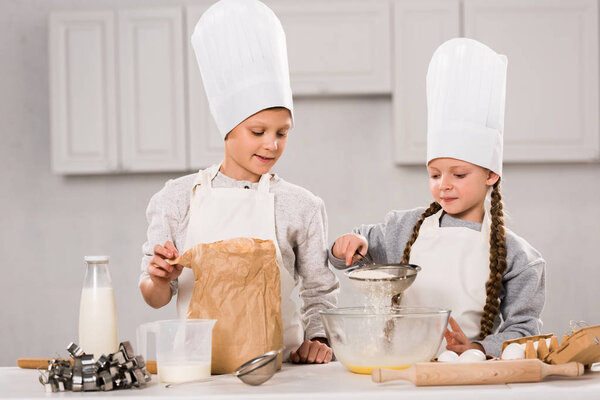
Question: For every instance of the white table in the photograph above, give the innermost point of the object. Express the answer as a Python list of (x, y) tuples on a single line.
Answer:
[(314, 382)]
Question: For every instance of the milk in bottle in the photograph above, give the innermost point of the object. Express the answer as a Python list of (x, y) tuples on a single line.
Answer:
[(98, 332)]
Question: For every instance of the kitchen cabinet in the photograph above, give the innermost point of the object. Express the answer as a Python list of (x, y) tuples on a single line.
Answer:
[(151, 84), (337, 46), (83, 103), (552, 86), (117, 95), (127, 95)]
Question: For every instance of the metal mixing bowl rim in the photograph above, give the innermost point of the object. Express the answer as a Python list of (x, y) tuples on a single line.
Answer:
[(256, 363), (409, 267), (385, 311)]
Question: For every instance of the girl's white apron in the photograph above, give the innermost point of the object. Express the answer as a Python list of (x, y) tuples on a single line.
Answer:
[(226, 213), (454, 265)]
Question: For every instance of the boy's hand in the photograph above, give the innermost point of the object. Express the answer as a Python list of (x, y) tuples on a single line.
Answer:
[(457, 340), (314, 351), (347, 245), (160, 271)]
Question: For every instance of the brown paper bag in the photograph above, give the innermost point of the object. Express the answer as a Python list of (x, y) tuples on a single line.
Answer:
[(236, 282)]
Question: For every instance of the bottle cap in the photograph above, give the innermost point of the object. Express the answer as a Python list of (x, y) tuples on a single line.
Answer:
[(96, 259)]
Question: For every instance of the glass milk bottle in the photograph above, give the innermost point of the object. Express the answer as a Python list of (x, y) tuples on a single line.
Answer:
[(98, 333)]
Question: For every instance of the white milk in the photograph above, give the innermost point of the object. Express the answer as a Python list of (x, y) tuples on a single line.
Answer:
[(175, 372), (98, 332)]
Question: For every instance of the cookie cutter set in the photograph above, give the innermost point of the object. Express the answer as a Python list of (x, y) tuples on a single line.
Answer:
[(119, 370)]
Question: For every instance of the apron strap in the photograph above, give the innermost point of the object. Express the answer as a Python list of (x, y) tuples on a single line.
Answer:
[(263, 183), (486, 225), (205, 176)]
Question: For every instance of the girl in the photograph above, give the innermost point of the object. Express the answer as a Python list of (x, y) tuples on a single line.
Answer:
[(491, 279), (240, 48)]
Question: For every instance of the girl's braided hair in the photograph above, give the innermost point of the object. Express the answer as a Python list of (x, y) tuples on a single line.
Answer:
[(493, 286)]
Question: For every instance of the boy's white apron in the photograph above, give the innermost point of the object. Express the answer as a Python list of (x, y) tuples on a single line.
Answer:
[(454, 265), (226, 213)]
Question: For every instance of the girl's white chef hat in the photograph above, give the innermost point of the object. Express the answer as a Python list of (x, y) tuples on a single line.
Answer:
[(241, 51), (466, 90)]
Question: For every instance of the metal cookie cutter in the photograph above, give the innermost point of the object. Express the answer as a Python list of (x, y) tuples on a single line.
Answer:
[(120, 370)]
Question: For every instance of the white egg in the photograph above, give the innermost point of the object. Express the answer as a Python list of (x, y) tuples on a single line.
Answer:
[(448, 356), (472, 355), (513, 351)]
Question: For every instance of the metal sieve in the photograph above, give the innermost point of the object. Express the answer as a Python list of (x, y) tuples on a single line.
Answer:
[(383, 281), (253, 372)]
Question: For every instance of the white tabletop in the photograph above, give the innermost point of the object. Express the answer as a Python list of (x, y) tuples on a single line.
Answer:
[(314, 382)]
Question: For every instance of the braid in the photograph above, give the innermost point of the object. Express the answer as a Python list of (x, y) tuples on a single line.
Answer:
[(493, 286), (433, 208)]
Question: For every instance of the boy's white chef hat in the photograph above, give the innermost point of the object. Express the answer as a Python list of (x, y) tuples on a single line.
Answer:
[(466, 90), (241, 51)]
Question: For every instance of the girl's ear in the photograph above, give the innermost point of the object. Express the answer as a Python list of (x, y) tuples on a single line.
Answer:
[(492, 178)]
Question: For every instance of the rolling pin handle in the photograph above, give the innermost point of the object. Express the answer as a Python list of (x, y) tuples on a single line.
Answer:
[(380, 375), (569, 369)]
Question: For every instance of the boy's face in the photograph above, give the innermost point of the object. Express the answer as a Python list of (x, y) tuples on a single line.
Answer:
[(253, 147), (460, 187)]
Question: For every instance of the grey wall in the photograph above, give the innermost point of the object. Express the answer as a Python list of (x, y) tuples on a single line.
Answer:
[(341, 150)]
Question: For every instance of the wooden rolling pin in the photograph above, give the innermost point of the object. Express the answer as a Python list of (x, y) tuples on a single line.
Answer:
[(42, 363), (477, 373)]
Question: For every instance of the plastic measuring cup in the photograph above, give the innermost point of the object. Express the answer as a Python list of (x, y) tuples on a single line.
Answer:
[(183, 348)]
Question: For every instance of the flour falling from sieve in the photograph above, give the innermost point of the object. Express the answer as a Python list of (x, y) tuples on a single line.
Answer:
[(376, 285)]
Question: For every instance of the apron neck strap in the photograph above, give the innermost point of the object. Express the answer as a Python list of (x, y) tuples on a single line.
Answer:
[(206, 176), (486, 224), (263, 183)]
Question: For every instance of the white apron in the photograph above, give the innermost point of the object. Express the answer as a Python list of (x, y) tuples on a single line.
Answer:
[(226, 213), (454, 265)]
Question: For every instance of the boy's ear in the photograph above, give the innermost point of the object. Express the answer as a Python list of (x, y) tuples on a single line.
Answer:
[(492, 178)]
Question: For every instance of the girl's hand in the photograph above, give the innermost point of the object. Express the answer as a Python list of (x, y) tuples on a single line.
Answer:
[(160, 271), (457, 340), (314, 351), (347, 245)]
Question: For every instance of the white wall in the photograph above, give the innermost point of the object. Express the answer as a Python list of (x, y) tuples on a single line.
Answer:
[(341, 150)]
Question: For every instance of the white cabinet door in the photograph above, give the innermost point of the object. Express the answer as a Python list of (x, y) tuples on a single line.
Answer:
[(206, 144), (337, 46), (552, 107), (82, 92), (420, 27), (152, 89)]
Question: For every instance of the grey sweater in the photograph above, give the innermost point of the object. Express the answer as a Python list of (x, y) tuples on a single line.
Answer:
[(300, 227), (523, 284)]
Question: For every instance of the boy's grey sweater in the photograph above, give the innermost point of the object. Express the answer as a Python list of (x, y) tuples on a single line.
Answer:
[(300, 228), (523, 293)]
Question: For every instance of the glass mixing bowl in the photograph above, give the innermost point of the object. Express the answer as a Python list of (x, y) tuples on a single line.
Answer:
[(365, 338)]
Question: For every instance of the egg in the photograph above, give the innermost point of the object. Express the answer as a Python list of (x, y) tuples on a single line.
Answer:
[(472, 355), (513, 351), (448, 356)]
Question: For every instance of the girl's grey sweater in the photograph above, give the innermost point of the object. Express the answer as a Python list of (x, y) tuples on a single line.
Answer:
[(523, 284)]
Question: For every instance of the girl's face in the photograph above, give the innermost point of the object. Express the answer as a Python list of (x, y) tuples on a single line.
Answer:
[(253, 147), (460, 187)]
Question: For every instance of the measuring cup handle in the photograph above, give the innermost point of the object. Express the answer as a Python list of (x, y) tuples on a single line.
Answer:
[(142, 337)]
